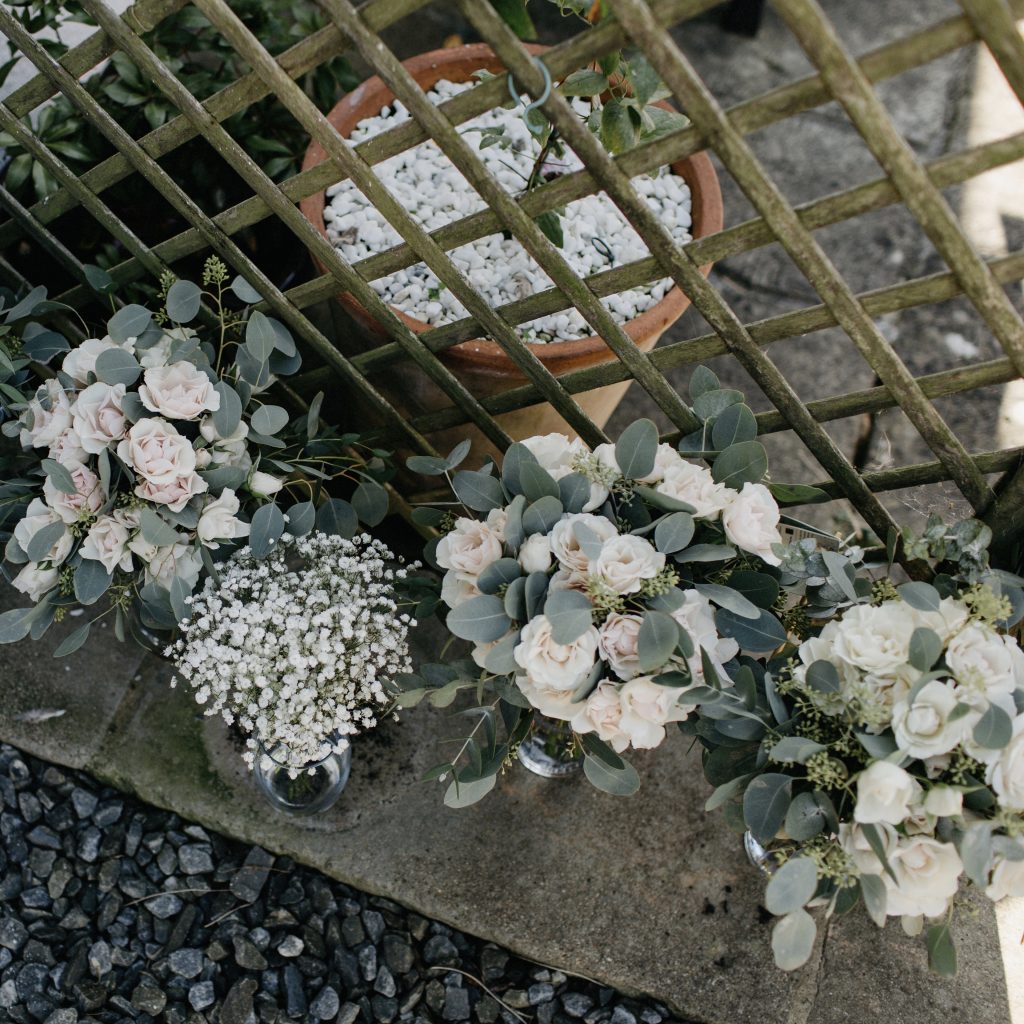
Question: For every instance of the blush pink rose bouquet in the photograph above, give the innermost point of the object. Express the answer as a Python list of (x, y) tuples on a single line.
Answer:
[(150, 453)]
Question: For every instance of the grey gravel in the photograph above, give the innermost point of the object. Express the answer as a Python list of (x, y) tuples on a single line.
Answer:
[(118, 913)]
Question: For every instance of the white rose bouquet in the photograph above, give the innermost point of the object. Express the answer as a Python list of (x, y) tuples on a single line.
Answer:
[(884, 759), (298, 648), (607, 590), (155, 450)]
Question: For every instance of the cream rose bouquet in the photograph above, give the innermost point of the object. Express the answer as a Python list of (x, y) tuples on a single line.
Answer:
[(882, 759), (607, 589), (156, 450)]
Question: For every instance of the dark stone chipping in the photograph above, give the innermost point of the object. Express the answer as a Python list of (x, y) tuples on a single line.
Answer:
[(118, 913)]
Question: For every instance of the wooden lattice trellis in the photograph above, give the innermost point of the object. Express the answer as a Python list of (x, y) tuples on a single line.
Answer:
[(839, 76)]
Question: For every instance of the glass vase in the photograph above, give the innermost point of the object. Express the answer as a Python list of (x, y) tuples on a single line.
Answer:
[(768, 859), (301, 788), (549, 750)]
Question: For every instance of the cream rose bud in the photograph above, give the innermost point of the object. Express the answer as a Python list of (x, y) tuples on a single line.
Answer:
[(219, 520), (697, 617), (552, 665), (107, 543), (1007, 878), (179, 391), (47, 417), (565, 544), (884, 793), (927, 877), (34, 581), (626, 561), (1006, 773), (264, 485), (602, 714), (618, 640), (87, 499), (751, 522), (455, 590), (38, 515), (944, 802), (646, 709), (924, 727), (80, 362), (693, 484), (535, 553), (469, 548), (98, 418)]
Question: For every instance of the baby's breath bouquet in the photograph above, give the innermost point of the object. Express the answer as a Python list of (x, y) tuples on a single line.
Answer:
[(298, 648), (606, 590), (153, 451), (883, 757)]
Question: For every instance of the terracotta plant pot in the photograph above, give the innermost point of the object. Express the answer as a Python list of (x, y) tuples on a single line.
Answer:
[(481, 364)]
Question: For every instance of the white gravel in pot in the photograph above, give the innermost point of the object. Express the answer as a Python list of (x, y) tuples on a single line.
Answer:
[(435, 193)]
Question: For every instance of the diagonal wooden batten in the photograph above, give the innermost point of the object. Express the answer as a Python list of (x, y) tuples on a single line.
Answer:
[(511, 215), (362, 175), (705, 298), (219, 242)]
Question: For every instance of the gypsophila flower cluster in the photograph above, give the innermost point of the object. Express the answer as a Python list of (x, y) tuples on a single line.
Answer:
[(298, 648)]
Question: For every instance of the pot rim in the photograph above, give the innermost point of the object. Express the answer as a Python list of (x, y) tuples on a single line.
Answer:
[(483, 355)]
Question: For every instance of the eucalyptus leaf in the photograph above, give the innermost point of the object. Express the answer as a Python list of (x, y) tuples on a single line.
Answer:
[(765, 804), (269, 419), (541, 515), (129, 322), (265, 530), (458, 454), (156, 531), (925, 648), (535, 591), (941, 951), (922, 596), (793, 940), (245, 291), (674, 532), (621, 782), (480, 619), (463, 794), (73, 641), (574, 491), (792, 886), (702, 380), (757, 587), (537, 483), (15, 625), (260, 337), (712, 404), (657, 639), (183, 301), (755, 636), (370, 502), (44, 539), (746, 462), (228, 415), (705, 553), (570, 614), (807, 815), (91, 581), (822, 677), (733, 600), (499, 573), (872, 888), (479, 491), (795, 750), (733, 424), (976, 853), (60, 476), (301, 518), (337, 517), (636, 449), (994, 729)]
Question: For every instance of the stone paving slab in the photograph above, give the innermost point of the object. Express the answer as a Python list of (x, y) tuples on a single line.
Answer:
[(647, 894)]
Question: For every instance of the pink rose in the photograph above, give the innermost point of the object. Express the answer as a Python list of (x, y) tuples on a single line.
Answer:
[(179, 391), (164, 460), (87, 499), (98, 418)]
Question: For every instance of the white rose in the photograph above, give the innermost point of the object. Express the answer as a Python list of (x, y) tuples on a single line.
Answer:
[(646, 709), (751, 522), (884, 793), (49, 413), (693, 484), (665, 459), (1006, 773), (876, 639), (34, 581), (618, 638), (263, 485), (68, 448), (160, 351), (626, 561), (983, 661), (551, 665), (944, 802), (602, 714), (81, 361), (469, 548), (927, 877), (1007, 878), (566, 546), (98, 416), (38, 515), (225, 451), (180, 391), (164, 563), (87, 499), (946, 622), (219, 520), (107, 543), (556, 454), (497, 520), (455, 590), (856, 846), (697, 617), (164, 461), (923, 727), (535, 553)]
